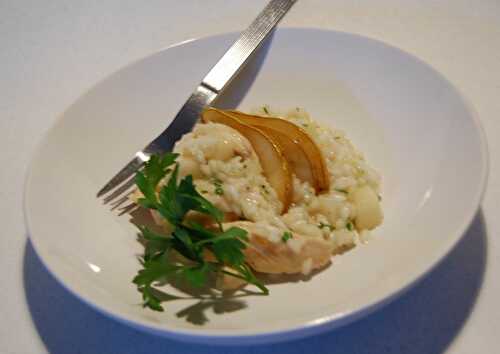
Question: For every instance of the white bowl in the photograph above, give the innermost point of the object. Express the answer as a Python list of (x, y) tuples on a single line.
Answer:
[(411, 123)]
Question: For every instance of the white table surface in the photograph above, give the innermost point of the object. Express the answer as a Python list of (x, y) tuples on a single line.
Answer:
[(54, 50)]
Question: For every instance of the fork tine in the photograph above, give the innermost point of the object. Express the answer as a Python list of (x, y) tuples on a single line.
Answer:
[(127, 209), (121, 191), (119, 202), (121, 176)]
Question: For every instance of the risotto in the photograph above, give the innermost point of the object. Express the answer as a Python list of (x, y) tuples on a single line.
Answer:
[(314, 224)]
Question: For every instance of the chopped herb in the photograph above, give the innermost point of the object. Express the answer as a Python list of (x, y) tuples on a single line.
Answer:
[(264, 188), (341, 190), (218, 186), (322, 225), (204, 191), (190, 239), (305, 125), (245, 166), (286, 236), (349, 226), (265, 109)]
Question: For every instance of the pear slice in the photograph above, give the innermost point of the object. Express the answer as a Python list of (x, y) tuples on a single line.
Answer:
[(368, 211), (297, 145), (295, 155), (272, 160)]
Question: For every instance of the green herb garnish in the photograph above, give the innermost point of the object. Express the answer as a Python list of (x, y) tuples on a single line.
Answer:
[(286, 236), (218, 186), (349, 226), (265, 109), (191, 240), (322, 225), (341, 190)]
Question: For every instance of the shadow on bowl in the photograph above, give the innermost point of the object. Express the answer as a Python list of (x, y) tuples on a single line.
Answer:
[(424, 320)]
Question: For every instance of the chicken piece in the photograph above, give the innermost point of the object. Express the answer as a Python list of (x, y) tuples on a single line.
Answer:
[(299, 254)]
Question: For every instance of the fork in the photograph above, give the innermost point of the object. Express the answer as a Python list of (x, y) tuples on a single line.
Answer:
[(119, 187)]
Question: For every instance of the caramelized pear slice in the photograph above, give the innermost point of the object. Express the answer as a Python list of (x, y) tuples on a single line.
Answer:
[(272, 160), (295, 155), (302, 141)]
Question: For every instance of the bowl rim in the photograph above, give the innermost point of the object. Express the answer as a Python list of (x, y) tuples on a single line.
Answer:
[(282, 333)]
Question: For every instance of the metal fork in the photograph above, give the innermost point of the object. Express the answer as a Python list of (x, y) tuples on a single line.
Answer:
[(117, 190)]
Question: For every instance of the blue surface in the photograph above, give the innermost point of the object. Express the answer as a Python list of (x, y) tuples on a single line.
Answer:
[(425, 320)]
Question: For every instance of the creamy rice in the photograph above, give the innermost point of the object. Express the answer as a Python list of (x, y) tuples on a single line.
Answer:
[(226, 171)]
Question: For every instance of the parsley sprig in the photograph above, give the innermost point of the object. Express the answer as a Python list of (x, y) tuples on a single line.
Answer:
[(173, 201)]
